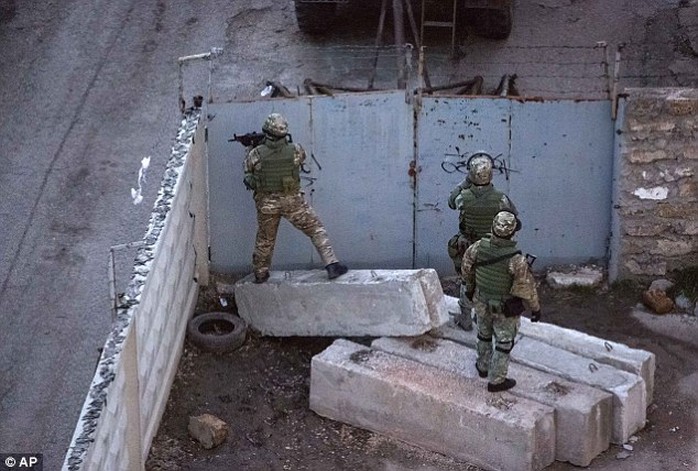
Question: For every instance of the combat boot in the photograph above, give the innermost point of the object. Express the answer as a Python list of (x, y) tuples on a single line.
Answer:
[(503, 386), (261, 278), (335, 270), (464, 320)]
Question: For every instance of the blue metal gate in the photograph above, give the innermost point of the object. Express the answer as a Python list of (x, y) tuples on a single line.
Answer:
[(555, 160)]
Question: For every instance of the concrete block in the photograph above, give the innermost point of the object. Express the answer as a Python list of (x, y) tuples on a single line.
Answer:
[(360, 303), (582, 413), (628, 390), (588, 276), (433, 409), (632, 360)]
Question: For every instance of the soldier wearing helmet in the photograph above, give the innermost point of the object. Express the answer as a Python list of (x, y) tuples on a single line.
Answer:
[(501, 287), (272, 172), (477, 201)]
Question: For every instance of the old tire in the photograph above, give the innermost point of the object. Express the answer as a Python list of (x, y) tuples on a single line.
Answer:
[(315, 18), (217, 332), (494, 24)]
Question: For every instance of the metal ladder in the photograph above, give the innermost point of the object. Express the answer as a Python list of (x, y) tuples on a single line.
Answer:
[(426, 23)]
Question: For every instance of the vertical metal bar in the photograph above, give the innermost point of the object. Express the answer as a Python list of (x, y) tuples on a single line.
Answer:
[(420, 75), (180, 79), (453, 30), (418, 42), (399, 26), (112, 284), (210, 75), (379, 36), (614, 90)]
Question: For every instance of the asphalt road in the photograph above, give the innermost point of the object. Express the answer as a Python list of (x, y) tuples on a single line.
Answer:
[(89, 88)]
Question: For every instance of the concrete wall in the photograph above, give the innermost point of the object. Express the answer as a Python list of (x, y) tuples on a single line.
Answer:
[(129, 391), (655, 211)]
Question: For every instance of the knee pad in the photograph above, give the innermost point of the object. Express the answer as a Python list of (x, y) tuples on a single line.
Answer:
[(504, 347)]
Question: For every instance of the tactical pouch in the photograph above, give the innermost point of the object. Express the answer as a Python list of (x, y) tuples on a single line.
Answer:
[(513, 307), (290, 185), (455, 249)]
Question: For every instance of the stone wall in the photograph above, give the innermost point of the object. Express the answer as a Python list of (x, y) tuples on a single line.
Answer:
[(656, 189)]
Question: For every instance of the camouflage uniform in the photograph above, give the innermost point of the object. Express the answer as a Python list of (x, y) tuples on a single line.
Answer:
[(287, 201), (477, 201), (492, 285), (477, 205)]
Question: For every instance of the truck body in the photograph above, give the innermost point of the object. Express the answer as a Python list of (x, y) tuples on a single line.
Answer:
[(487, 18)]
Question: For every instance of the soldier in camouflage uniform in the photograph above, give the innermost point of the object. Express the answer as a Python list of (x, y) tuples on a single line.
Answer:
[(501, 286), (477, 201), (272, 171)]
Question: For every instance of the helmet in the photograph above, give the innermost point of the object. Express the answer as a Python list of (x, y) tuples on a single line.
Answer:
[(480, 168), (275, 125), (504, 224)]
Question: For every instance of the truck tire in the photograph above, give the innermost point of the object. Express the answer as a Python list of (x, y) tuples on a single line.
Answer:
[(217, 332), (315, 18), (493, 24)]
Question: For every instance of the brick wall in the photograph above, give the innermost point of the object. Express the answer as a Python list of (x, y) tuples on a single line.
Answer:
[(656, 188)]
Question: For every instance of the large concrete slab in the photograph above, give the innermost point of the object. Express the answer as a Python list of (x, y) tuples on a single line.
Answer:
[(431, 408), (628, 390), (582, 413), (361, 303), (632, 360)]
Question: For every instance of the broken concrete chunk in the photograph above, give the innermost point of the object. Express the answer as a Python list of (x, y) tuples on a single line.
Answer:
[(208, 430), (587, 276), (657, 301)]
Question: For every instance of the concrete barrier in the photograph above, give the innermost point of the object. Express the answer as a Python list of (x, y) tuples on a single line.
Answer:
[(360, 303), (628, 390), (618, 355), (582, 413), (446, 412)]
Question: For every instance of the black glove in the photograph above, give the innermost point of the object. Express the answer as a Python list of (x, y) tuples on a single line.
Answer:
[(535, 316)]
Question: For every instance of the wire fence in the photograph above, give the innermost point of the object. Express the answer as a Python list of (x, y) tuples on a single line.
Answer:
[(570, 72)]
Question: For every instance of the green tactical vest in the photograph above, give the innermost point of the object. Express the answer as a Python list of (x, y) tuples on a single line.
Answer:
[(479, 205), (494, 280), (277, 172)]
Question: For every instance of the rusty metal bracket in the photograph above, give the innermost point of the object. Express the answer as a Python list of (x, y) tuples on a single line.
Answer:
[(207, 56)]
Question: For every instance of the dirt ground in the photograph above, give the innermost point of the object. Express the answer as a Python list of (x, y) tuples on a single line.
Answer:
[(261, 390)]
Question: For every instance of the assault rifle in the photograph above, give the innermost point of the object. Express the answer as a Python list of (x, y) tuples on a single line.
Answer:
[(250, 139)]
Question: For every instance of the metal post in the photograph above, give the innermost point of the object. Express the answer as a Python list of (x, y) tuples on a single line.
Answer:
[(379, 40), (209, 56), (399, 26), (614, 90)]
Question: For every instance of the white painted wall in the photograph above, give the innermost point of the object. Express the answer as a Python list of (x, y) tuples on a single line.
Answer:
[(129, 391)]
